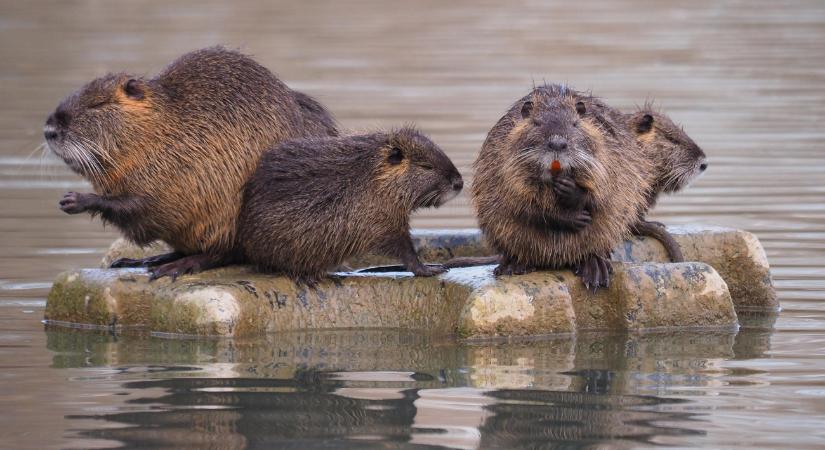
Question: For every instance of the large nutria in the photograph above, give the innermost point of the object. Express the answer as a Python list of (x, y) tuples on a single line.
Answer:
[(168, 156), (314, 202), (676, 161), (524, 209), (317, 120)]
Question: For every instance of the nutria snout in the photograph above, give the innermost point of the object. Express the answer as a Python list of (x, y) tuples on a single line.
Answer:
[(551, 131)]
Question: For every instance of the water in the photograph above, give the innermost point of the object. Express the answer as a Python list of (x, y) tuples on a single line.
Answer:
[(746, 78)]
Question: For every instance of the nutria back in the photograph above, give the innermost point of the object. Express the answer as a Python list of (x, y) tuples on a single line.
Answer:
[(181, 144), (510, 190), (314, 202)]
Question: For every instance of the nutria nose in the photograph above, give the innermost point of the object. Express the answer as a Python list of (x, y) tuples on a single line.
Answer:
[(458, 184), (59, 118), (703, 166), (557, 143)]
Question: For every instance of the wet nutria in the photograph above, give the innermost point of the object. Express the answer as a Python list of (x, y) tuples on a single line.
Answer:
[(575, 216), (314, 202), (168, 156), (317, 120), (676, 161)]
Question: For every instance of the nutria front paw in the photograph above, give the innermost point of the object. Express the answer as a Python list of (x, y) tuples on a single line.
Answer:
[(74, 203), (425, 270), (567, 190), (581, 221), (595, 272)]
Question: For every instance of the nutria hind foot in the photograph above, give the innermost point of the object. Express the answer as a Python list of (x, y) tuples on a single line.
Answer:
[(594, 272), (658, 231), (186, 265), (510, 267), (151, 261)]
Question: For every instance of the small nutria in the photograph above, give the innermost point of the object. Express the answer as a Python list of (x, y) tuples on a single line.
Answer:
[(526, 212), (314, 202), (677, 161), (168, 156)]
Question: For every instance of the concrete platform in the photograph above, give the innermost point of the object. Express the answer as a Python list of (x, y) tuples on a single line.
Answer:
[(469, 303), (736, 254)]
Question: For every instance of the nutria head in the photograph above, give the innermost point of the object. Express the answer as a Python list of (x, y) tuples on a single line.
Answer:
[(92, 129), (553, 124), (412, 165), (678, 160)]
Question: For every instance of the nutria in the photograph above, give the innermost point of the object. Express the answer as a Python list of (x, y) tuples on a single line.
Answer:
[(317, 120), (676, 159), (168, 156), (314, 202), (524, 210)]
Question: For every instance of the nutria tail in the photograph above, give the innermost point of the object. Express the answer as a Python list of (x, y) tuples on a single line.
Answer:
[(660, 233), (470, 261), (315, 116)]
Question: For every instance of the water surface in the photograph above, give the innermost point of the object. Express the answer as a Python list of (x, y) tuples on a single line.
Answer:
[(745, 78)]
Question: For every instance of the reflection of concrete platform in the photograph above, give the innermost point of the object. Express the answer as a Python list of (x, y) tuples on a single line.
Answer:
[(469, 302), (430, 390)]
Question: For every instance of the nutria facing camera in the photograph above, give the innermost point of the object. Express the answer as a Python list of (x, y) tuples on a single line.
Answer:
[(168, 156), (315, 202), (524, 210)]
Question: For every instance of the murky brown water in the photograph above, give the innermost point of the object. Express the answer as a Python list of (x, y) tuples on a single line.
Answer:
[(746, 78)]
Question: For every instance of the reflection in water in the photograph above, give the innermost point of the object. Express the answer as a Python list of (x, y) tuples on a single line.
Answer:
[(538, 419), (344, 390)]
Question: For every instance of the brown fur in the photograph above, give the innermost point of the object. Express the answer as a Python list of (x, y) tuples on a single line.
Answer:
[(168, 156), (676, 160), (506, 188), (675, 157), (314, 202)]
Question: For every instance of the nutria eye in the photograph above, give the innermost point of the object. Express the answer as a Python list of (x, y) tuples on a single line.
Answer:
[(580, 108), (395, 156), (133, 89), (426, 166)]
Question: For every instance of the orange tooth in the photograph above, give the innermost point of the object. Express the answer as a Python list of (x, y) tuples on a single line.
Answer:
[(555, 167)]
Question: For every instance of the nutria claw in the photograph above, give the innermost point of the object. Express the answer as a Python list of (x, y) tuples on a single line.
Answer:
[(595, 272), (186, 265), (74, 203)]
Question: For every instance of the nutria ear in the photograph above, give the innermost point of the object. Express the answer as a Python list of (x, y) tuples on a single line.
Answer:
[(645, 124), (526, 109), (580, 108), (134, 89), (395, 156)]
